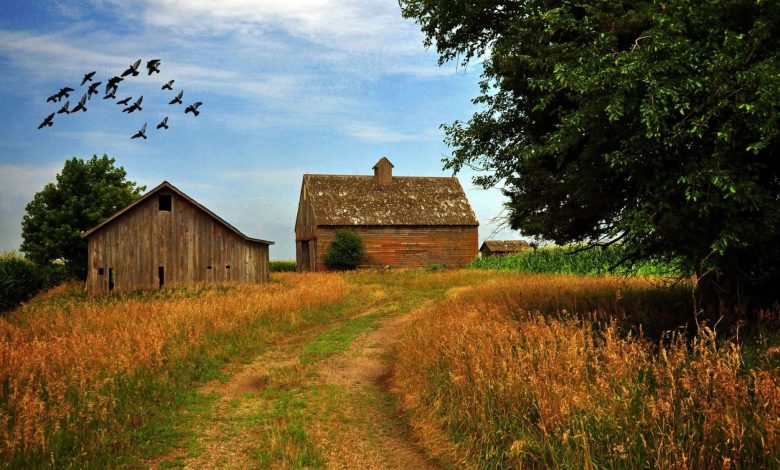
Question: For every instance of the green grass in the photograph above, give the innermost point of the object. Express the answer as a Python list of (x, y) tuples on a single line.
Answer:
[(338, 339), (566, 260)]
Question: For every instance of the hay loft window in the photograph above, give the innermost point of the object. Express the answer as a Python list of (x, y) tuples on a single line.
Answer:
[(164, 202)]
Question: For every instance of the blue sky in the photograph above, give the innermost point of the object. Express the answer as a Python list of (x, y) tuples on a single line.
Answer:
[(289, 87)]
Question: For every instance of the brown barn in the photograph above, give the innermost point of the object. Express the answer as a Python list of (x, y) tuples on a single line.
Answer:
[(405, 221), (502, 247), (167, 238)]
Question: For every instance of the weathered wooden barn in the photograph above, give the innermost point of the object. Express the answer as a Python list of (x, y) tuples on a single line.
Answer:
[(166, 238), (405, 221), (503, 247)]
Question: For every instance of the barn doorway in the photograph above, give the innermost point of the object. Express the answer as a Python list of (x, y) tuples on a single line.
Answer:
[(306, 255), (110, 279), (161, 276)]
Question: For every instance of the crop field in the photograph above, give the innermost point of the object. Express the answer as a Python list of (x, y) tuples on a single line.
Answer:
[(490, 369), (570, 260)]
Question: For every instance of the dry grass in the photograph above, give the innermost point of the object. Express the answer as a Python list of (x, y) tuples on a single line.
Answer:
[(75, 372), (503, 375)]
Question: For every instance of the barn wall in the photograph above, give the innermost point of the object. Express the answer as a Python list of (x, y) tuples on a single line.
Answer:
[(305, 230), (407, 246), (184, 241)]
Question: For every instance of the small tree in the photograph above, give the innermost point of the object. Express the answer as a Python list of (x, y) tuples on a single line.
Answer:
[(346, 251), (85, 193)]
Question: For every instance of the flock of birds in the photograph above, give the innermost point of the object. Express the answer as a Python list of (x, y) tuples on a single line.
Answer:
[(112, 86)]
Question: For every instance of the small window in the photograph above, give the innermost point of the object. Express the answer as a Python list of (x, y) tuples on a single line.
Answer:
[(165, 202), (100, 271), (209, 267), (227, 267)]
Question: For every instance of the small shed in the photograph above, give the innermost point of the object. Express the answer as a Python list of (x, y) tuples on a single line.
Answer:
[(502, 247), (166, 238), (404, 221)]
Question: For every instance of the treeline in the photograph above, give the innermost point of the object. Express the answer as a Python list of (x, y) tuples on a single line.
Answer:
[(21, 279)]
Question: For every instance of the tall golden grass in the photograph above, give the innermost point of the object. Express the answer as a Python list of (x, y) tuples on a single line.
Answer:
[(504, 375), (64, 360)]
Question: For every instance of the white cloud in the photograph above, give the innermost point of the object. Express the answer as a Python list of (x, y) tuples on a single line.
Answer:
[(373, 133), (265, 177)]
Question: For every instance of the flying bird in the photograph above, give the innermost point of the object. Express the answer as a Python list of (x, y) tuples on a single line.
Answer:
[(110, 95), (124, 101), (163, 124), (153, 66), (64, 108), (168, 86), (48, 122), (87, 77), (82, 106), (141, 133), (93, 89), (178, 98), (194, 108), (133, 69), (113, 83), (63, 93), (135, 106)]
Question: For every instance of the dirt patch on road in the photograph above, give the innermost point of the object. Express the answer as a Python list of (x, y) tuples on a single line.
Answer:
[(373, 435)]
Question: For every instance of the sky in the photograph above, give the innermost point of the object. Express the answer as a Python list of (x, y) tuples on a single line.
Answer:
[(289, 87)]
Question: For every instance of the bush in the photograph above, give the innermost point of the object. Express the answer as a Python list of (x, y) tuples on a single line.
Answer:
[(21, 279), (346, 251), (283, 266)]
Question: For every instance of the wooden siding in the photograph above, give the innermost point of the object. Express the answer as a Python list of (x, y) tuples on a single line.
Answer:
[(184, 241), (405, 246), (305, 233)]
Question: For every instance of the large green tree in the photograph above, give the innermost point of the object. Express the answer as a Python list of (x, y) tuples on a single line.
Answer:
[(85, 193), (652, 123)]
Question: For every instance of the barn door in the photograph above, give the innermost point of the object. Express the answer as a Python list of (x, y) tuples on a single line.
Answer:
[(305, 256)]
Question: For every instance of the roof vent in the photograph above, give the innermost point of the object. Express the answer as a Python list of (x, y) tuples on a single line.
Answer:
[(383, 172)]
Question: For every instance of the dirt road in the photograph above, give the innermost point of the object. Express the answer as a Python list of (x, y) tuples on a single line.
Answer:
[(317, 399)]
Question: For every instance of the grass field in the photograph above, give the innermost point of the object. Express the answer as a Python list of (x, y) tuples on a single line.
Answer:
[(502, 369), (543, 371), (92, 382)]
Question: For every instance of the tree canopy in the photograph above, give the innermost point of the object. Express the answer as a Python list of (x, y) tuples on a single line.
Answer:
[(85, 193), (651, 123)]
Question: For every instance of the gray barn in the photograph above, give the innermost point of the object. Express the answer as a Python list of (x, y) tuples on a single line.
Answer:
[(166, 238)]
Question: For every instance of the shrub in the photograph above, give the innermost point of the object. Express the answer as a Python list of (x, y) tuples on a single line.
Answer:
[(282, 266), (346, 251), (21, 279)]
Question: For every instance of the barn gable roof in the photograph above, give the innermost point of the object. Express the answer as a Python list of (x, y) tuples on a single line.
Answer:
[(505, 246), (409, 200), (174, 189)]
